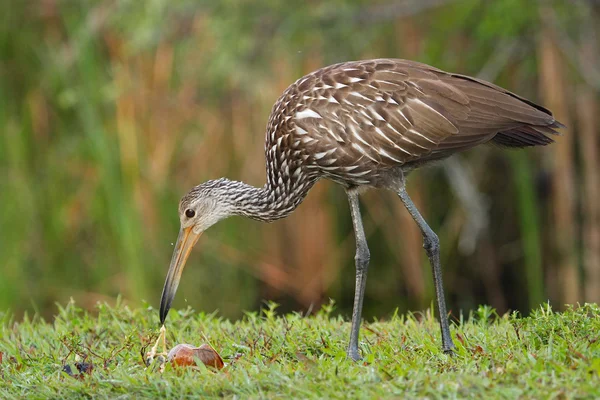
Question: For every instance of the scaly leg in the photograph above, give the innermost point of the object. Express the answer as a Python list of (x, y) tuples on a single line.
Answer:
[(362, 264), (431, 243)]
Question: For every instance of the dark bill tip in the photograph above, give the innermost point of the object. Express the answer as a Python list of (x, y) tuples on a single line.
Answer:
[(165, 306)]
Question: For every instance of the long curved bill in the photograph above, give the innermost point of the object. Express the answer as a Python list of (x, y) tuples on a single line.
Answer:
[(185, 242)]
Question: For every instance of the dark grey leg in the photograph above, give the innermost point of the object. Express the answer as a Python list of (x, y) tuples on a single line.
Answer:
[(431, 243), (362, 264)]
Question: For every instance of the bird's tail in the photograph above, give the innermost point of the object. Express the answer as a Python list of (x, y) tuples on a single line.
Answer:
[(528, 135)]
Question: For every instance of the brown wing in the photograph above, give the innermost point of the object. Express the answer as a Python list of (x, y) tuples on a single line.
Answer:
[(359, 116)]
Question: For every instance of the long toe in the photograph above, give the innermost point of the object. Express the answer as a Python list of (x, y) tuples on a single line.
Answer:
[(450, 350), (354, 355)]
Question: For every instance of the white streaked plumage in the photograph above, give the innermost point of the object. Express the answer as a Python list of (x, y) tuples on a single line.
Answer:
[(308, 113)]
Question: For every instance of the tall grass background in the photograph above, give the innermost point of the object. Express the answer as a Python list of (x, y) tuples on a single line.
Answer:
[(111, 110)]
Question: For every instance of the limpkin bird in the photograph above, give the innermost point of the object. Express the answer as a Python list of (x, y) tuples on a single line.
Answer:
[(363, 124)]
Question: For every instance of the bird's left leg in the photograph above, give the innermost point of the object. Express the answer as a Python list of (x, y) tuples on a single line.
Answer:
[(162, 357), (362, 264), (431, 243)]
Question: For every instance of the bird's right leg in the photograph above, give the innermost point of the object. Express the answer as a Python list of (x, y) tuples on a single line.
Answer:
[(362, 264)]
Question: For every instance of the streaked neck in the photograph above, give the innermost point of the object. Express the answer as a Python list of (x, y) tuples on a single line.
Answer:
[(270, 202)]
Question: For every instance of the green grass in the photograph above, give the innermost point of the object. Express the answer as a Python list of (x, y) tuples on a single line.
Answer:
[(546, 355)]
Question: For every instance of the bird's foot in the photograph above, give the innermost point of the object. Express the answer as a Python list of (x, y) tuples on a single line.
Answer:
[(353, 354), (449, 349), (449, 352), (162, 356)]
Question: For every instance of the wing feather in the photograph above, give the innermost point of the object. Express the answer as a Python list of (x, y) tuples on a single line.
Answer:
[(384, 113)]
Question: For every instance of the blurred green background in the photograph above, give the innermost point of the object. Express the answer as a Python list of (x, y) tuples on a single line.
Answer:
[(111, 110)]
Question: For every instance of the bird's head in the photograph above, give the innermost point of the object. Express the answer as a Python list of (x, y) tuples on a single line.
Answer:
[(199, 209)]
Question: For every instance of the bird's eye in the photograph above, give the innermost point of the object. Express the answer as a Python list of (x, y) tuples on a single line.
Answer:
[(190, 213)]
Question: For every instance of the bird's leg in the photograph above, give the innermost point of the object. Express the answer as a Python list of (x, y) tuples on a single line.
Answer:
[(162, 357), (431, 244), (362, 264)]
